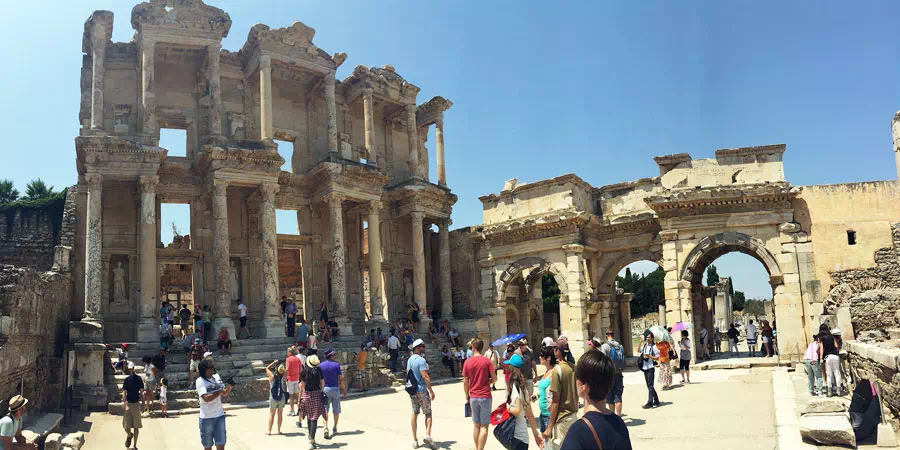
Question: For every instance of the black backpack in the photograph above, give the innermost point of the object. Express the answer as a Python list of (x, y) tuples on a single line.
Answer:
[(277, 390), (412, 385)]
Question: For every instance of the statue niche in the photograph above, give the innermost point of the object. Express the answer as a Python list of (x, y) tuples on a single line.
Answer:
[(118, 279), (234, 280)]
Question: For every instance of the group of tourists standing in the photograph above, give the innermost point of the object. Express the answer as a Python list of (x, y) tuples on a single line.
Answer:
[(823, 359), (663, 354)]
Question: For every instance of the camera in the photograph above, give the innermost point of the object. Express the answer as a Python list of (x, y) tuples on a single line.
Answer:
[(229, 380)]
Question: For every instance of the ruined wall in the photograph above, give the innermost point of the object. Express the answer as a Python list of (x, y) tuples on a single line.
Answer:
[(848, 285), (627, 199), (29, 230), (34, 314), (525, 200), (830, 211), (464, 273)]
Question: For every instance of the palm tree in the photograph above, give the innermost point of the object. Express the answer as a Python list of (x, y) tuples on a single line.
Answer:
[(37, 189), (8, 193)]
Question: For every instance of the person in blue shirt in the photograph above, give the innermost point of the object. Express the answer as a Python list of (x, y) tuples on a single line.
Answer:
[(421, 402)]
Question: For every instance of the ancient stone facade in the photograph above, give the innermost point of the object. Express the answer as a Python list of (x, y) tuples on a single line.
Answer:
[(358, 172), (34, 315), (808, 239), (30, 230)]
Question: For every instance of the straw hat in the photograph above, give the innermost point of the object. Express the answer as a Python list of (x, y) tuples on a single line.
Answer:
[(312, 361), (17, 402)]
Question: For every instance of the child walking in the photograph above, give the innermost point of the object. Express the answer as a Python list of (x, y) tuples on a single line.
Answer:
[(163, 393)]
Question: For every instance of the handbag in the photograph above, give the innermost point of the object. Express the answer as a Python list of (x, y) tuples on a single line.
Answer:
[(504, 426)]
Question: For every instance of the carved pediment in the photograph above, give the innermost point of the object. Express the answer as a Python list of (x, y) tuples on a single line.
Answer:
[(384, 81), (293, 42), (191, 14)]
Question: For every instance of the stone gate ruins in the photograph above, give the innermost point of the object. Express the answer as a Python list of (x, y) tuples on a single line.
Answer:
[(367, 209)]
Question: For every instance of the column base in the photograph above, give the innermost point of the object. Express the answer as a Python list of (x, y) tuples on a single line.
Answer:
[(88, 330), (272, 327), (223, 322), (147, 330), (345, 325), (424, 323)]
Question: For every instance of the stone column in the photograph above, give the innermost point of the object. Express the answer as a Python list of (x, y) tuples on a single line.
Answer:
[(338, 268), (148, 85), (413, 132), (444, 259), (221, 258), (418, 245), (332, 113), (93, 261), (272, 309), (148, 326), (625, 321), (573, 312), (376, 298), (265, 97), (439, 144), (369, 115), (98, 45), (215, 90)]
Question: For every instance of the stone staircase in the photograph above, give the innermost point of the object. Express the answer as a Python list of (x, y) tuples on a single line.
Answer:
[(247, 365)]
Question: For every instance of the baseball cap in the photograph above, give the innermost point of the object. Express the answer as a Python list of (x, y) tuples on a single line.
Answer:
[(563, 343), (523, 341), (329, 353), (207, 354), (515, 360), (417, 343)]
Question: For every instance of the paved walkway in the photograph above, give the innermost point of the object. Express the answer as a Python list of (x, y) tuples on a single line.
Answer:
[(720, 409)]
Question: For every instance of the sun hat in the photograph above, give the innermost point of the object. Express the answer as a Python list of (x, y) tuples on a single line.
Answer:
[(836, 331), (17, 402), (312, 361), (280, 369), (417, 343), (515, 361), (563, 343)]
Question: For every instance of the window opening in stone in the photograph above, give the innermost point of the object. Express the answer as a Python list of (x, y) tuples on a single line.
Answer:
[(286, 222), (286, 150), (365, 237), (851, 237), (173, 140), (644, 280), (177, 286), (175, 225)]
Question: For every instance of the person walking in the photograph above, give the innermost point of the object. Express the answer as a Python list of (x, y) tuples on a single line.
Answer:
[(751, 338), (277, 394), (361, 374), (211, 389), (518, 405), (665, 364), (768, 337), (599, 428), (478, 375), (564, 400), (649, 354), (614, 350), (311, 385), (294, 366), (11, 426), (333, 390), (492, 355), (684, 360), (548, 360), (184, 314), (393, 345), (733, 338), (132, 391), (812, 359), (832, 360), (290, 313), (302, 332), (421, 402), (529, 368), (704, 344), (242, 310), (717, 340)]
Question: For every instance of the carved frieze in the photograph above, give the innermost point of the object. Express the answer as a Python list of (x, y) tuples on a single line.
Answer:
[(723, 199), (180, 14)]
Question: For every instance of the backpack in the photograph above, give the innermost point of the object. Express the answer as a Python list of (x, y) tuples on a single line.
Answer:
[(412, 385), (617, 355), (163, 331), (277, 389), (504, 426)]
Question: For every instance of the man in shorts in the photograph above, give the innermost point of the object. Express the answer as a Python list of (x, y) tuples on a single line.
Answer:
[(478, 376), (334, 389), (614, 396), (421, 402), (197, 350), (242, 311), (294, 367), (361, 374), (132, 389), (302, 335)]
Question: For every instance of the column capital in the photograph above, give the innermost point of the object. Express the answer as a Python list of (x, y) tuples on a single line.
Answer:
[(148, 183), (219, 187), (265, 61), (329, 78), (573, 248), (444, 223), (268, 191), (94, 181), (367, 93), (411, 109), (439, 121), (334, 200), (374, 207), (417, 216)]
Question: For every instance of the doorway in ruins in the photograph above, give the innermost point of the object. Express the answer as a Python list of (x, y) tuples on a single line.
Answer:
[(641, 283), (532, 304), (730, 284), (290, 260), (176, 286)]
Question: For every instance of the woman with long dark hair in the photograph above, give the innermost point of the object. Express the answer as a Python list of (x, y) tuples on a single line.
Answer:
[(548, 360), (518, 406), (832, 359), (649, 354), (311, 385)]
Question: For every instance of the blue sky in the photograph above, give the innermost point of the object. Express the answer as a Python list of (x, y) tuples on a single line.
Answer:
[(594, 88)]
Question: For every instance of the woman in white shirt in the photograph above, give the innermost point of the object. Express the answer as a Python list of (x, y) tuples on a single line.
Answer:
[(519, 407)]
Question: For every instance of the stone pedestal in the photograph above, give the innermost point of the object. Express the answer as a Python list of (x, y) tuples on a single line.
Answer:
[(223, 322), (87, 341), (148, 330)]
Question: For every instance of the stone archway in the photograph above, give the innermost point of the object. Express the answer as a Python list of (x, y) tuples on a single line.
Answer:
[(712, 247), (609, 275), (539, 266)]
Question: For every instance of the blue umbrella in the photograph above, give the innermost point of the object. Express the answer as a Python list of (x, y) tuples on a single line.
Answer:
[(508, 339)]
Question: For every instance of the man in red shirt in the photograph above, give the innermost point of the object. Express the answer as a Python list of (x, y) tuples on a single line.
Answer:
[(478, 376), (294, 365)]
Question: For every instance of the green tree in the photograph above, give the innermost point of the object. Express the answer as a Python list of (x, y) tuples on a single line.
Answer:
[(37, 189), (8, 193), (712, 276), (755, 307), (648, 290), (738, 302), (550, 293)]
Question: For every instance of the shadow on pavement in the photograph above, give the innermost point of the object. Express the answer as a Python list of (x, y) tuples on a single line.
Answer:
[(634, 422), (350, 433), (444, 444), (320, 444)]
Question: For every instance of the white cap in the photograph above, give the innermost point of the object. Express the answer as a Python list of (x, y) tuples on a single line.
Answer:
[(836, 331), (207, 354), (417, 343)]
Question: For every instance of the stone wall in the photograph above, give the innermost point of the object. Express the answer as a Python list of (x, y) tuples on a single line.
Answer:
[(34, 314), (464, 274), (881, 362), (30, 230)]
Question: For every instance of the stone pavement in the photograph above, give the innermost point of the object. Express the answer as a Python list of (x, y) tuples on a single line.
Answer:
[(720, 409)]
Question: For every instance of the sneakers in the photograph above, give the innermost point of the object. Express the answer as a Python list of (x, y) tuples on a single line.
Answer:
[(334, 431), (128, 441), (427, 441), (326, 434), (292, 414), (415, 444), (647, 406)]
